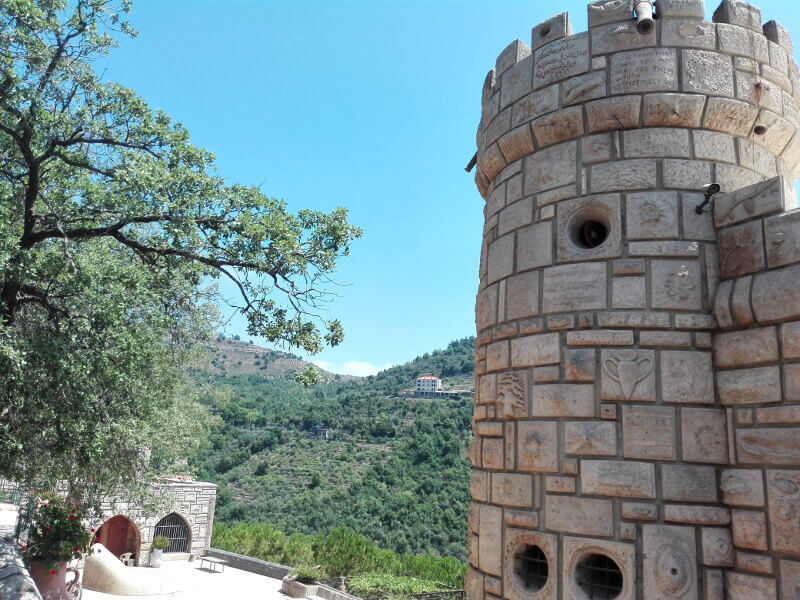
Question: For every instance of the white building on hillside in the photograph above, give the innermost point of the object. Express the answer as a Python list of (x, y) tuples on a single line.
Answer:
[(428, 384)]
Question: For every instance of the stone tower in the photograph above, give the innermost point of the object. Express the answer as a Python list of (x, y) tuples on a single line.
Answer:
[(637, 408)]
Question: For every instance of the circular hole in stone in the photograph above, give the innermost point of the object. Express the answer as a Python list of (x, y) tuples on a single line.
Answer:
[(759, 130), (544, 31), (589, 227), (645, 27), (599, 577), (530, 568)]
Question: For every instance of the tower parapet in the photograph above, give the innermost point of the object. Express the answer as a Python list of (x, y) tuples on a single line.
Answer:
[(637, 406)]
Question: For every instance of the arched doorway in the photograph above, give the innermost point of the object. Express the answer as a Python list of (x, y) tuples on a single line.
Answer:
[(120, 535), (175, 529)]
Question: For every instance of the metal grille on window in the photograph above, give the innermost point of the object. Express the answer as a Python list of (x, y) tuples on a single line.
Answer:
[(599, 577), (531, 568), (175, 530)]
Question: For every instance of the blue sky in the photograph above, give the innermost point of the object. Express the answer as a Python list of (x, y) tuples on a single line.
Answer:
[(371, 105)]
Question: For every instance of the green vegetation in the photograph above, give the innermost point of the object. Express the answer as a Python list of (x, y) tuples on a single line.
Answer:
[(370, 570), (394, 470), (112, 224)]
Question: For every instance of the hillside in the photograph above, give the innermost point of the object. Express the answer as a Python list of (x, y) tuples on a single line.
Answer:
[(230, 357), (394, 468)]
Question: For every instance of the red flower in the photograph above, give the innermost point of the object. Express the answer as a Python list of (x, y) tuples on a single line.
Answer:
[(47, 527), (92, 529), (77, 549), (71, 518), (53, 572)]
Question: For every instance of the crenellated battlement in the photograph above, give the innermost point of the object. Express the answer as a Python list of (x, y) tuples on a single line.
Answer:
[(732, 75)]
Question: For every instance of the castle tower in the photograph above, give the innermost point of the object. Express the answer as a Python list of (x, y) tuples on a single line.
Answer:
[(637, 408)]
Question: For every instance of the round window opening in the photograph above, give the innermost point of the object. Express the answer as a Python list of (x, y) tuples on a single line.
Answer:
[(530, 568), (589, 229), (599, 577)]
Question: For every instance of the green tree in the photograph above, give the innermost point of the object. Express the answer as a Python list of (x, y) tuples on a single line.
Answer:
[(112, 225)]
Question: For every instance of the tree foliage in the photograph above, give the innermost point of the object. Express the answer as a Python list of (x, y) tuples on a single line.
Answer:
[(112, 225)]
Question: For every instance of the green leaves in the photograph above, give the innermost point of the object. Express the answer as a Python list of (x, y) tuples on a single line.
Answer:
[(111, 223)]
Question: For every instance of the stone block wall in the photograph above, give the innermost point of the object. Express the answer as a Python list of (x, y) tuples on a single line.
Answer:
[(637, 406), (193, 501)]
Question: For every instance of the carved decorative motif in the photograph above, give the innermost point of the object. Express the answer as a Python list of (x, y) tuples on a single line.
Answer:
[(512, 397), (628, 369)]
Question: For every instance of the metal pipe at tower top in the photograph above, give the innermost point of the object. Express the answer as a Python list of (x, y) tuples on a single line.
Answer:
[(644, 15)]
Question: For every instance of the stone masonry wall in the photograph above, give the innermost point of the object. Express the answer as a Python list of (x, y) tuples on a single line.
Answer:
[(193, 501), (639, 399)]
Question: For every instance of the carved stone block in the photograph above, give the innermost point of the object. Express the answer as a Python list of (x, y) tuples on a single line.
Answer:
[(522, 295), (609, 11), (749, 386), (749, 529), (684, 483), (550, 30), (534, 246), (783, 497), (782, 236), (573, 287), (741, 250), (689, 34), (649, 432), (512, 395), (490, 556), (610, 114), (675, 284), (717, 546), (747, 587), (537, 446), (673, 110), (687, 377), (730, 116), (790, 579), (558, 126), (534, 105), (650, 70), (561, 59), (535, 350), (633, 174), (768, 446), (621, 479), (581, 516), (590, 438), (582, 88), (652, 215), (618, 37), (563, 400), (579, 364), (746, 347), (704, 435), (492, 455), (551, 168), (501, 258), (512, 489), (669, 563)]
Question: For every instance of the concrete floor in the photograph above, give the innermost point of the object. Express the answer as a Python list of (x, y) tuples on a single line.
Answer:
[(196, 584)]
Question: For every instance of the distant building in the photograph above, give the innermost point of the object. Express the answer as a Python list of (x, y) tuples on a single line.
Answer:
[(319, 432), (428, 384)]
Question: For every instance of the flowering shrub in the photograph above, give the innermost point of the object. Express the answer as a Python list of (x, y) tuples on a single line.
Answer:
[(57, 532)]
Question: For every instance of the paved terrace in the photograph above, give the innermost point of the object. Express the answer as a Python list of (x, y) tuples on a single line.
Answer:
[(194, 583)]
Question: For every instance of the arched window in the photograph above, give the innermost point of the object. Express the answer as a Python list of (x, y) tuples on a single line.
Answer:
[(174, 528)]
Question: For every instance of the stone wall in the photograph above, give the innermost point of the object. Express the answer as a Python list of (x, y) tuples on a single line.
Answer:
[(637, 375), (193, 501)]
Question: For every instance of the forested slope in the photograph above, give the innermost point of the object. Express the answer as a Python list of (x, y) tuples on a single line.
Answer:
[(394, 468)]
